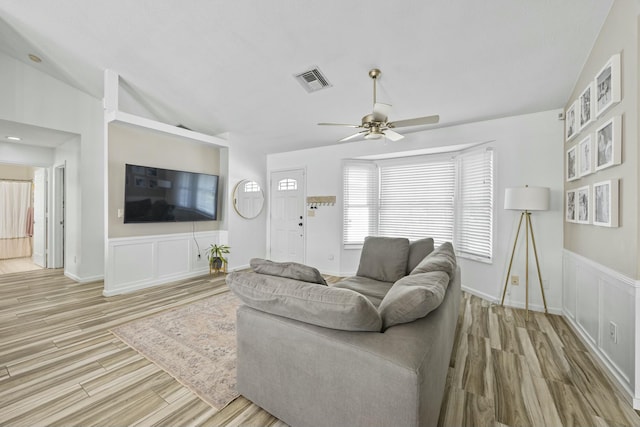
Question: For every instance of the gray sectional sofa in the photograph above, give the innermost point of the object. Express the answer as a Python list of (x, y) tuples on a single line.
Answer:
[(371, 350)]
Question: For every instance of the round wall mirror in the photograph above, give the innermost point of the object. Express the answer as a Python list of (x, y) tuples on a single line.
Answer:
[(248, 199)]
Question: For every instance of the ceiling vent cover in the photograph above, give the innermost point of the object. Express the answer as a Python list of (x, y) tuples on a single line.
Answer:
[(313, 80)]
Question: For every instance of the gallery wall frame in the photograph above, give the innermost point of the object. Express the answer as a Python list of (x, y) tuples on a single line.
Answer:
[(608, 144), (583, 205), (571, 121), (586, 107), (585, 156), (607, 85), (605, 203), (570, 206), (571, 163)]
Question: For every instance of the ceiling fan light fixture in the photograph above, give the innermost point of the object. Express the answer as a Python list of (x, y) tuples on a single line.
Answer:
[(374, 135)]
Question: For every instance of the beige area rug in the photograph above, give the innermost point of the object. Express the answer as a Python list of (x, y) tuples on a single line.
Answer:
[(195, 344)]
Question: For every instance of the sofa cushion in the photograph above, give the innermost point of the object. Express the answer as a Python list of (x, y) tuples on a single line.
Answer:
[(418, 250), (441, 259), (375, 290), (292, 270), (413, 297), (312, 303), (384, 258)]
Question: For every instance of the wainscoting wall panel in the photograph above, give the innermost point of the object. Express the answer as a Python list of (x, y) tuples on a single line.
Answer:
[(139, 262), (600, 304)]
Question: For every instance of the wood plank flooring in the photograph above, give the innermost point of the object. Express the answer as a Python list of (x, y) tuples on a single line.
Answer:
[(60, 365)]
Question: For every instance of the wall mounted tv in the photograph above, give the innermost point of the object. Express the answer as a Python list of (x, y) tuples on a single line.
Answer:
[(165, 195)]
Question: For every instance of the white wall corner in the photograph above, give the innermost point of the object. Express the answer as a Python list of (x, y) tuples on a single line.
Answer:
[(111, 87)]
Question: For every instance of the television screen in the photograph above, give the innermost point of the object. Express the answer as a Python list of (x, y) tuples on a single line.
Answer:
[(164, 195)]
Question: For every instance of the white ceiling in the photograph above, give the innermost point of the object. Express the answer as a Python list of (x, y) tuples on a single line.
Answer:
[(33, 135), (227, 66)]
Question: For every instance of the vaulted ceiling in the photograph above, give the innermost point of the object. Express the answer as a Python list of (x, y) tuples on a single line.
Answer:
[(227, 66)]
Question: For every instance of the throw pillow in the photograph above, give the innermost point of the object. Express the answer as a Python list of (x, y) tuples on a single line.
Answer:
[(442, 259), (413, 297), (384, 258), (312, 303), (291, 270), (418, 250)]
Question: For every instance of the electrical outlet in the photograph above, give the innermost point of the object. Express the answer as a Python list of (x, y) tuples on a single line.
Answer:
[(613, 332), (515, 280), (545, 283)]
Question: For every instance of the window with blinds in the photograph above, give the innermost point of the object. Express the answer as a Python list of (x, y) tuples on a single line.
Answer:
[(474, 216), (416, 200), (449, 199), (360, 201)]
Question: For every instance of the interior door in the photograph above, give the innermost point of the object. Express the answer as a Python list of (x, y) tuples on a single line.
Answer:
[(40, 217), (287, 216), (58, 221)]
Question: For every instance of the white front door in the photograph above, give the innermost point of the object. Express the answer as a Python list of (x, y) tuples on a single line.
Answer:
[(287, 216), (40, 217)]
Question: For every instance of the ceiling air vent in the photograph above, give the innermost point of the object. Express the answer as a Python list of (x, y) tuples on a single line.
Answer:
[(313, 80)]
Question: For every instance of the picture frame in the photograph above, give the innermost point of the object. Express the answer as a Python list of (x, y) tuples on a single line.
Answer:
[(571, 121), (585, 156), (605, 203), (608, 144), (607, 85), (571, 163), (586, 109), (570, 206), (583, 206)]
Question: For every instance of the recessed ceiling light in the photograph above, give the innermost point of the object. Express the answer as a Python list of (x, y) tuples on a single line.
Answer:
[(35, 58), (14, 138)]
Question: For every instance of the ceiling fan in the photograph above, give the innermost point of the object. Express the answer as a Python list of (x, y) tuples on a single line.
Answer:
[(376, 124)]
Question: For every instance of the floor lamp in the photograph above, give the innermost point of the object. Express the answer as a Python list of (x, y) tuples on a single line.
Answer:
[(526, 199)]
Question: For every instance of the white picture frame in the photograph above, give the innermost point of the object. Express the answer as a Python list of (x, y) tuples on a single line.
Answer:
[(607, 85), (571, 121), (583, 205), (571, 163), (605, 203), (570, 206), (586, 108), (585, 156), (608, 144)]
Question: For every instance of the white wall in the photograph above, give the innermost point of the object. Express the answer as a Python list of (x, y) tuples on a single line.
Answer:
[(68, 154), (25, 154), (32, 97), (247, 237), (528, 150)]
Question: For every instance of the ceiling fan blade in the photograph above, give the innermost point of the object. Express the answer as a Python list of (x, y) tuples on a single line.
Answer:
[(429, 120), (381, 111), (393, 136), (353, 136), (339, 124)]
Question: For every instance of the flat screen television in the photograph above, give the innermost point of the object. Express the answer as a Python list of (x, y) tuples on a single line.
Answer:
[(165, 195)]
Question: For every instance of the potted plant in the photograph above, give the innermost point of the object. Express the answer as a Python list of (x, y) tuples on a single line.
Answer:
[(217, 261)]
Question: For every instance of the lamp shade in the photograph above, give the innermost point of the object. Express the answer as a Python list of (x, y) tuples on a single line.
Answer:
[(527, 198)]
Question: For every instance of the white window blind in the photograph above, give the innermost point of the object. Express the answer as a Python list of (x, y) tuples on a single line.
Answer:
[(360, 196), (474, 229), (417, 200)]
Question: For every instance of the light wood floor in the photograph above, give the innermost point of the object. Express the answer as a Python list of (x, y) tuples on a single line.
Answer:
[(17, 265), (60, 365)]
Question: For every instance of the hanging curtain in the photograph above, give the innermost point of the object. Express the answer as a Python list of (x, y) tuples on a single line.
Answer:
[(16, 221)]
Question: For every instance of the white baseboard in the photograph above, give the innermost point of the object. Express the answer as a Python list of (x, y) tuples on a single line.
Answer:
[(150, 284), (83, 280)]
